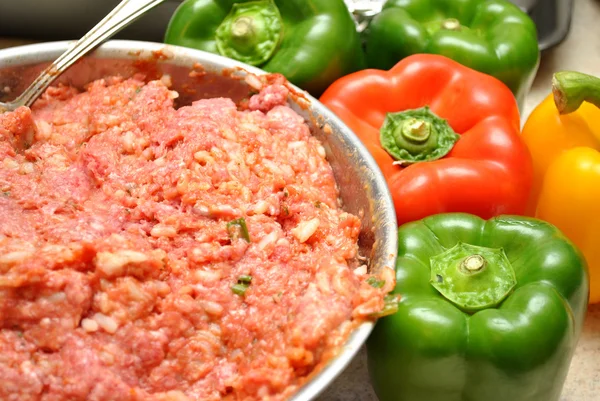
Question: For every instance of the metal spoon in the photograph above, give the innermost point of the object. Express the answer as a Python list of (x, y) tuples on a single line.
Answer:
[(122, 15)]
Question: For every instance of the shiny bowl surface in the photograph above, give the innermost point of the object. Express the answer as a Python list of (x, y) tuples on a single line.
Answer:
[(362, 187)]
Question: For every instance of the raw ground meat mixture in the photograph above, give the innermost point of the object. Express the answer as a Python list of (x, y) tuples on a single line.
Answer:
[(117, 261)]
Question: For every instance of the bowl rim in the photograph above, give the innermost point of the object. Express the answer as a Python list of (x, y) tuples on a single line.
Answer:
[(316, 383)]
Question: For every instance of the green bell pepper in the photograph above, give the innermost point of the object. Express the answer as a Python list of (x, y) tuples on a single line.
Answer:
[(310, 42), (491, 36), (489, 311)]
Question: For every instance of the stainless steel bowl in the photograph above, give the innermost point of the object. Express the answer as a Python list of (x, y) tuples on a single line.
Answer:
[(362, 187)]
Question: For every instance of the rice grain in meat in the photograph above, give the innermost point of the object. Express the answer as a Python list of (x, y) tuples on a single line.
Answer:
[(154, 253)]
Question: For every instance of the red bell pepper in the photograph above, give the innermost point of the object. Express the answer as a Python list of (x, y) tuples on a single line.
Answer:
[(446, 137)]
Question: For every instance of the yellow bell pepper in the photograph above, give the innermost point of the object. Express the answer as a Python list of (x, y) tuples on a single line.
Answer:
[(563, 136)]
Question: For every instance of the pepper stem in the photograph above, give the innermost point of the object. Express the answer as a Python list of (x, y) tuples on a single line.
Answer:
[(571, 88), (417, 135), (416, 130), (251, 32), (451, 24), (473, 263), (472, 277), (242, 27)]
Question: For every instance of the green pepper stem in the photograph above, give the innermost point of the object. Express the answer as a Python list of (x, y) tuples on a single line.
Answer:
[(451, 24), (473, 263), (571, 88), (242, 27), (251, 32), (472, 277)]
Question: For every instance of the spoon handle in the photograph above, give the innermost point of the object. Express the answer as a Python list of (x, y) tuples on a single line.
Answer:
[(122, 15)]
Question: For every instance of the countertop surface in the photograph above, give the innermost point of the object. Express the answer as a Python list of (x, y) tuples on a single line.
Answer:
[(580, 51)]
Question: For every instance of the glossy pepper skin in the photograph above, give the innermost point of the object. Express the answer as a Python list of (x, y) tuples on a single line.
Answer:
[(491, 36), (518, 346), (564, 138), (487, 170), (310, 42)]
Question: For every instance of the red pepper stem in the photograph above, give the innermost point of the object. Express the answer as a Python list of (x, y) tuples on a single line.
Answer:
[(416, 130), (571, 89), (417, 135)]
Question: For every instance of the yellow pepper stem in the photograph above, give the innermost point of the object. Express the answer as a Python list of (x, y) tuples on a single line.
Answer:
[(571, 88)]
